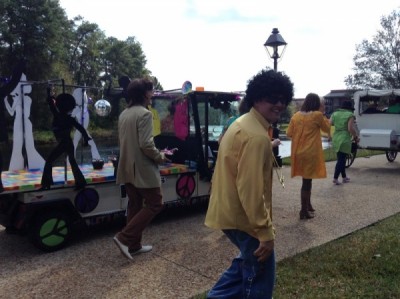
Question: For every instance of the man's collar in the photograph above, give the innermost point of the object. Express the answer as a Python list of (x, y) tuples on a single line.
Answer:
[(260, 118)]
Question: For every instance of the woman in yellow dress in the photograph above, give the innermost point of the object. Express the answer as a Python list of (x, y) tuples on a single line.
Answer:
[(307, 157)]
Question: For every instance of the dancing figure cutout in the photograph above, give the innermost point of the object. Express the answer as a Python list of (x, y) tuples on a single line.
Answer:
[(63, 123), (5, 88), (81, 114), (23, 135)]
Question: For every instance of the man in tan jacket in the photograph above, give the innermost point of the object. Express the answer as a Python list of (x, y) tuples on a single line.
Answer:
[(241, 194), (138, 167)]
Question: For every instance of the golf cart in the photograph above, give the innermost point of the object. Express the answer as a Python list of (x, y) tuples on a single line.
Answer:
[(193, 123)]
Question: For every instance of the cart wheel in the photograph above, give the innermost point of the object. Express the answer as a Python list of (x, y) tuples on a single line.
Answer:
[(350, 158), (50, 231), (391, 155)]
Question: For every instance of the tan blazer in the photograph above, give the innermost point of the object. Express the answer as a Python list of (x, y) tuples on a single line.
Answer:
[(139, 157)]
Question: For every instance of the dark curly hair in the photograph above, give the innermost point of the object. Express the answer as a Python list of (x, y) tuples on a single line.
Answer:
[(269, 86), (312, 102)]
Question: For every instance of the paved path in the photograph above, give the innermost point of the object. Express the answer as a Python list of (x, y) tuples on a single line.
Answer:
[(188, 257)]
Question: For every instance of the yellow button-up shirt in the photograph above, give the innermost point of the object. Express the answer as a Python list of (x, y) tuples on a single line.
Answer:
[(241, 192)]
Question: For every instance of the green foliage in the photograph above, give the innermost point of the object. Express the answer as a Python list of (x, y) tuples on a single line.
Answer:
[(44, 137), (85, 63), (288, 113), (74, 50), (377, 63), (36, 30)]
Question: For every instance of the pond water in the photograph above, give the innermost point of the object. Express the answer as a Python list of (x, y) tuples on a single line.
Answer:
[(109, 148), (83, 154), (284, 148)]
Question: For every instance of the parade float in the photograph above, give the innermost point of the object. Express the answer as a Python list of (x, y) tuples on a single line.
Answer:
[(186, 122)]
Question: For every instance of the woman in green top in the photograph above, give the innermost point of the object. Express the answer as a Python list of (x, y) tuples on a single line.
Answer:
[(343, 120)]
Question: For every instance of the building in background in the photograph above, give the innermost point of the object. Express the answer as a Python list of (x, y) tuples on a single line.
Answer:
[(335, 98)]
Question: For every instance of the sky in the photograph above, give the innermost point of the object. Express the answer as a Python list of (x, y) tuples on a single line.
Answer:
[(219, 44)]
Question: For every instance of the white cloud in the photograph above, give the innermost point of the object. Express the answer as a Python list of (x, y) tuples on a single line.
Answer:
[(219, 44)]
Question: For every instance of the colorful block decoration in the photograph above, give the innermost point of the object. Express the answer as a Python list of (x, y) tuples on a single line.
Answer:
[(28, 180)]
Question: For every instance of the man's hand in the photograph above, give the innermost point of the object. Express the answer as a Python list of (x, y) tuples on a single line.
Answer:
[(276, 142), (168, 152), (264, 250), (164, 158)]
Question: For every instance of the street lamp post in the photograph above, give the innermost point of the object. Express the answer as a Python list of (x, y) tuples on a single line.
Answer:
[(275, 46)]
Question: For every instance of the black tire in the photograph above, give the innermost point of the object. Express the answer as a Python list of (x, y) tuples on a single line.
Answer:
[(50, 231), (350, 158), (391, 155)]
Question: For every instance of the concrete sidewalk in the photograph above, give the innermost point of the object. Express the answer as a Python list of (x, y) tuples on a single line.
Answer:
[(188, 257)]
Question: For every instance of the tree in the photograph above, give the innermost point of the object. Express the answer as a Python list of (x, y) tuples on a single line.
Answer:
[(54, 47), (122, 58), (36, 30), (377, 63), (85, 52)]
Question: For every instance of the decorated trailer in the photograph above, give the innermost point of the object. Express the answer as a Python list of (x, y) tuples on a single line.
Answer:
[(186, 122)]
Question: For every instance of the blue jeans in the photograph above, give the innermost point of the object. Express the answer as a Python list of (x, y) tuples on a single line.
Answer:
[(246, 277)]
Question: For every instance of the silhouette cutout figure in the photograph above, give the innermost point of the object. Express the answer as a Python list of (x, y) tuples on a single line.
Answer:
[(23, 135), (63, 123), (6, 86), (81, 114)]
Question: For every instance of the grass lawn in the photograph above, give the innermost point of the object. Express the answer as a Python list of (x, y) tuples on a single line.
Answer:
[(364, 264)]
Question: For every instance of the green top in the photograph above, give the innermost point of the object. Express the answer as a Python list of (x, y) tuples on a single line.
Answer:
[(341, 139)]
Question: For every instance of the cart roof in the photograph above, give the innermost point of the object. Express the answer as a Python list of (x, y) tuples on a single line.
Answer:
[(376, 93)]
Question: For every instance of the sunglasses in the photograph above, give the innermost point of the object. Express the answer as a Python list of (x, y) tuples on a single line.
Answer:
[(275, 101)]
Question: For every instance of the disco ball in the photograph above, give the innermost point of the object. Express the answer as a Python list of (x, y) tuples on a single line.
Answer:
[(102, 107)]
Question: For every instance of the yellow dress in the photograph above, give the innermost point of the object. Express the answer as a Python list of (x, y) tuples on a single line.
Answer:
[(307, 157)]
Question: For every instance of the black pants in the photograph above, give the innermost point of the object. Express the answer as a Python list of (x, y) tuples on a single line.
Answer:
[(64, 145), (307, 185), (1, 169), (340, 167)]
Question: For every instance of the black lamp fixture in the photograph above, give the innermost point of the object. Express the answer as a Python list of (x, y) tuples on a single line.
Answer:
[(275, 46)]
